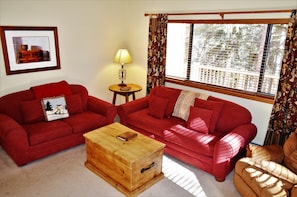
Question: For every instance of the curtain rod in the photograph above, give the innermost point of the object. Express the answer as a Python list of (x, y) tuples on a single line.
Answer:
[(221, 13)]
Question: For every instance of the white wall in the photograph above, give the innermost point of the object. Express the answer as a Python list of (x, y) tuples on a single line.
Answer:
[(91, 31)]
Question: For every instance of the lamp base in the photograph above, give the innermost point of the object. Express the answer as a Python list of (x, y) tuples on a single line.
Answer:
[(122, 85)]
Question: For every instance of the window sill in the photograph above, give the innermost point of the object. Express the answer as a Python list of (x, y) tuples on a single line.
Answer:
[(260, 98)]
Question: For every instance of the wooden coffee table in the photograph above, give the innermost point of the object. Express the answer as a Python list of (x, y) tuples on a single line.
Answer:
[(130, 166)]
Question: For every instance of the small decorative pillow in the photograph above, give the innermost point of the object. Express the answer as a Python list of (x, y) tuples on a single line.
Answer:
[(170, 94), (216, 107), (199, 119), (54, 108), (74, 104), (157, 106), (32, 111)]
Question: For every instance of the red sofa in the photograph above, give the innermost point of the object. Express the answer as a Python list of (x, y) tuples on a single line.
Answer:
[(212, 138), (25, 134)]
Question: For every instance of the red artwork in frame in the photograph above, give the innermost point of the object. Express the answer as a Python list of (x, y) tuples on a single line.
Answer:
[(30, 49)]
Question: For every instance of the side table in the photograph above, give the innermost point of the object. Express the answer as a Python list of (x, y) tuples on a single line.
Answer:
[(130, 90)]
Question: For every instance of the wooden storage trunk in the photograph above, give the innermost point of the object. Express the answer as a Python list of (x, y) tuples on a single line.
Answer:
[(130, 166)]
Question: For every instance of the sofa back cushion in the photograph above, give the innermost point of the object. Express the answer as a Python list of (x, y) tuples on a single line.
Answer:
[(51, 89), (74, 104), (166, 92), (83, 92), (10, 104), (32, 111), (157, 106), (231, 116)]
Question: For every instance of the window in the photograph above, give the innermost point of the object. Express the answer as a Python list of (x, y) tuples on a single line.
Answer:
[(242, 57)]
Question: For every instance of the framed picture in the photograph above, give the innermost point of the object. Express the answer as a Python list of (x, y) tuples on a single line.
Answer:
[(30, 49)]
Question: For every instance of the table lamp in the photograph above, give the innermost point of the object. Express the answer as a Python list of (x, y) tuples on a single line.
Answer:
[(122, 57)]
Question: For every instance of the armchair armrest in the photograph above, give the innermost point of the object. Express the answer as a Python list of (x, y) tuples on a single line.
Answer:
[(271, 167), (102, 107), (229, 147), (14, 139), (125, 109), (269, 153)]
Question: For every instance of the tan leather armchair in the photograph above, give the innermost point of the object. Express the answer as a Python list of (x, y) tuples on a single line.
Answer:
[(268, 170)]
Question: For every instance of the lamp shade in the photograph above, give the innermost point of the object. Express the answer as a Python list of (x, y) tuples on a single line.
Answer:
[(123, 57)]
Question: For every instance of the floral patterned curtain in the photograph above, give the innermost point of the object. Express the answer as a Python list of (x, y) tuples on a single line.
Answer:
[(157, 51), (284, 112)]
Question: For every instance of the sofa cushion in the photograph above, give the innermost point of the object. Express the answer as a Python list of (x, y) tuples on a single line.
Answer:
[(231, 116), (45, 131), (54, 108), (189, 139), (52, 89), (85, 121), (189, 156), (216, 107), (199, 119), (142, 120), (83, 92), (74, 104), (170, 93), (157, 106), (32, 111)]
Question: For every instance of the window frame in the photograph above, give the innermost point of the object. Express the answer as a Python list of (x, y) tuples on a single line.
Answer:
[(224, 90)]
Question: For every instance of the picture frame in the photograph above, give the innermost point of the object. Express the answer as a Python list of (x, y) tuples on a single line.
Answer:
[(30, 49)]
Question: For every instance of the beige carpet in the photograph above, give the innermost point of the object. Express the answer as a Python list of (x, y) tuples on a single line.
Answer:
[(64, 175)]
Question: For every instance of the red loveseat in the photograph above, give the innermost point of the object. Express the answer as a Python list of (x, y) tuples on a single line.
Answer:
[(212, 137), (26, 135)]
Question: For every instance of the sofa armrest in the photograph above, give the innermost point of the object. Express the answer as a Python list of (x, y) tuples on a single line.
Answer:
[(127, 108), (14, 139), (102, 107), (228, 148)]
